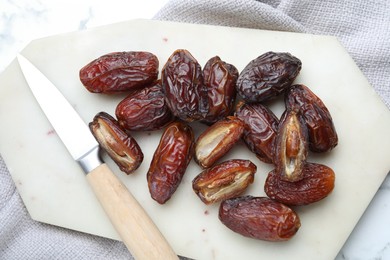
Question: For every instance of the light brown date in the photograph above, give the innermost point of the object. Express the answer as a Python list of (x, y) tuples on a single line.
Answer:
[(217, 140), (144, 109), (317, 183), (322, 133), (224, 180), (121, 147), (291, 146), (259, 218), (170, 161), (119, 71)]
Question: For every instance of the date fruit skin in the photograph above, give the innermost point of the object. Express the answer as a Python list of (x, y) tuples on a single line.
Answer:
[(291, 146), (182, 82), (170, 161), (217, 140), (119, 71), (322, 133), (144, 109), (268, 76), (259, 218), (121, 147), (220, 79), (261, 128), (225, 180), (317, 183)]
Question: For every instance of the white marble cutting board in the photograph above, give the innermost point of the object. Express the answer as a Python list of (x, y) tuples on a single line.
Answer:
[(53, 186)]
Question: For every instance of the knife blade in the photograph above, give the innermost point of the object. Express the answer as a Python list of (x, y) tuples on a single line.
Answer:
[(136, 229)]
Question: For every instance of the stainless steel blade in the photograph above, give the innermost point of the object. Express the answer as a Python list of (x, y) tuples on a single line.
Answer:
[(67, 123)]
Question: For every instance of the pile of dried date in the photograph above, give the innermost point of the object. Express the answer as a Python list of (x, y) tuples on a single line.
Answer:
[(232, 105)]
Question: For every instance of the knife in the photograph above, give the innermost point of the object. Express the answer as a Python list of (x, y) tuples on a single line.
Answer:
[(136, 229)]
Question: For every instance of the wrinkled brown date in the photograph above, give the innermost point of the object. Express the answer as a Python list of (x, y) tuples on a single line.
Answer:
[(224, 181), (119, 71), (261, 127), (144, 109), (322, 133), (220, 79), (121, 147), (182, 82), (291, 146), (217, 140), (259, 218), (170, 161), (317, 183), (267, 76)]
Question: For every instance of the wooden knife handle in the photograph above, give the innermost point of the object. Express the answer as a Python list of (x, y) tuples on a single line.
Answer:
[(137, 230)]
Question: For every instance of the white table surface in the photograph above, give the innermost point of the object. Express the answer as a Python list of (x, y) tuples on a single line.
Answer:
[(22, 21)]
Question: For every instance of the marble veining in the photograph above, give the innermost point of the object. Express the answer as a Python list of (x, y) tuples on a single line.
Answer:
[(22, 21), (84, 22)]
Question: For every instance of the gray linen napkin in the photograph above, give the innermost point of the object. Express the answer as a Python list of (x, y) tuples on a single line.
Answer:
[(361, 26)]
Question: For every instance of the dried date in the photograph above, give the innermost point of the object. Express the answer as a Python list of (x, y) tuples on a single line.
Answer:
[(224, 181), (217, 140), (267, 76), (261, 127), (317, 183), (291, 146), (259, 218), (119, 71), (182, 82), (144, 109), (322, 133), (170, 161), (220, 79), (189, 93), (121, 147)]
